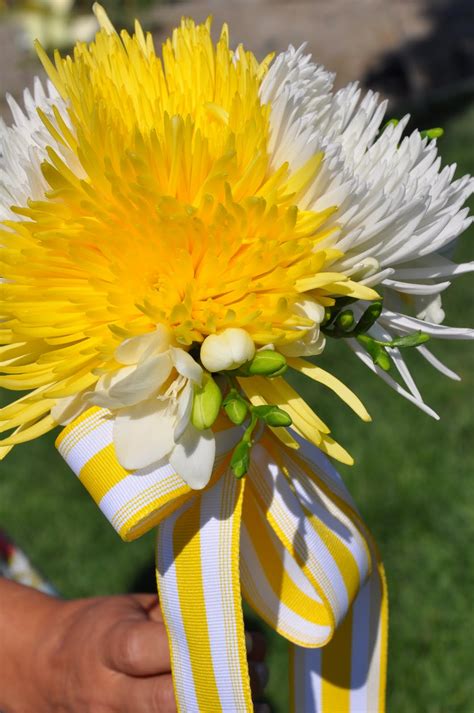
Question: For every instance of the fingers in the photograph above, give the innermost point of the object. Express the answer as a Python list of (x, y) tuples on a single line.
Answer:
[(138, 648), (157, 694), (152, 694), (149, 602), (154, 612)]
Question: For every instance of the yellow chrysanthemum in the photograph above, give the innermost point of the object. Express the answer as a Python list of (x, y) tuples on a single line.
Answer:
[(159, 207)]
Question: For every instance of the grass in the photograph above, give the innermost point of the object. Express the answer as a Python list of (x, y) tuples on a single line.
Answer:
[(412, 482)]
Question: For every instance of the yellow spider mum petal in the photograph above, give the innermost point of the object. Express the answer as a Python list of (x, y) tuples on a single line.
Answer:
[(324, 377), (161, 206)]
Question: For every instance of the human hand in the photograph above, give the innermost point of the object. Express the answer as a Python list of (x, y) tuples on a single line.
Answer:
[(100, 655)]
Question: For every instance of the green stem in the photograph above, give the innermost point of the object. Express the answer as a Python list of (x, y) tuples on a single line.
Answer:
[(247, 437)]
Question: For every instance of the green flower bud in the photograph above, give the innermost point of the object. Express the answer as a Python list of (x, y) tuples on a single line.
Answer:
[(272, 415), (279, 372), (345, 320), (331, 315), (391, 122), (383, 360), (278, 418), (376, 351), (240, 460), (409, 340), (206, 403), (263, 411), (328, 315), (431, 134), (236, 410), (370, 316), (267, 363)]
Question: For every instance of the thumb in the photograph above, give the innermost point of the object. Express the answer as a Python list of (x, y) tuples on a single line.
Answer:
[(138, 648)]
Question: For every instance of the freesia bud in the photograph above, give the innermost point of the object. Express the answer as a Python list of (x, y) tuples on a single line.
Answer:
[(273, 415), (431, 134), (379, 356), (206, 403), (236, 410), (267, 363), (345, 320), (370, 316), (228, 350), (240, 460)]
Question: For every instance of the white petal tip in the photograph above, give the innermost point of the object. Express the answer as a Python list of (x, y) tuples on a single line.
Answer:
[(198, 485), (193, 457)]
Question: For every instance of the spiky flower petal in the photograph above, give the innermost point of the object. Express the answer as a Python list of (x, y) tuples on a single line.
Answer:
[(150, 207), (137, 194), (397, 207)]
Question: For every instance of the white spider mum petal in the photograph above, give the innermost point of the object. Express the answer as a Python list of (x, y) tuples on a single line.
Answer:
[(23, 147), (397, 207)]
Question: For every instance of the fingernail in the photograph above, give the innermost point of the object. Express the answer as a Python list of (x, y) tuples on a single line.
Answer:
[(262, 708), (262, 673), (248, 642)]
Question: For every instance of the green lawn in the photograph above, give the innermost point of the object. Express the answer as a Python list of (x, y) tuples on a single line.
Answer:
[(412, 482)]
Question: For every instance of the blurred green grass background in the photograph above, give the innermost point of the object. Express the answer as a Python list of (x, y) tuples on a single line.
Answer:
[(412, 482)]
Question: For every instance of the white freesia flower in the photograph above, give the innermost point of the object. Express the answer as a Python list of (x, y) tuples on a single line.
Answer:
[(151, 397), (314, 340), (228, 350), (397, 208)]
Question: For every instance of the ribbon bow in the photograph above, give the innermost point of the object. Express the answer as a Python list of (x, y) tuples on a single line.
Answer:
[(287, 537)]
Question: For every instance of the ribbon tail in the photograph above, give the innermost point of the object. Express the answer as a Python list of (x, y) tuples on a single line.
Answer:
[(311, 568), (348, 675), (198, 580)]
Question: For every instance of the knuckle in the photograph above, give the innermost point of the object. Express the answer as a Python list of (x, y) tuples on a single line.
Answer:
[(163, 695), (128, 649)]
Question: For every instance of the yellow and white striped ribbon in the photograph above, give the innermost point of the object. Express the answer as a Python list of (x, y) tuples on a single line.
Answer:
[(288, 534), (198, 579)]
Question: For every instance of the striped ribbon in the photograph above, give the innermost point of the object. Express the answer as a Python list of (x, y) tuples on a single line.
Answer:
[(287, 537)]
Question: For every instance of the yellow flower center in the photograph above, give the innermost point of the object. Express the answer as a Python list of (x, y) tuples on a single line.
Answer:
[(162, 208)]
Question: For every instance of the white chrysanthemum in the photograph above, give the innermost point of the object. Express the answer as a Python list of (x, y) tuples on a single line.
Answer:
[(397, 208), (188, 234), (24, 146), (123, 185)]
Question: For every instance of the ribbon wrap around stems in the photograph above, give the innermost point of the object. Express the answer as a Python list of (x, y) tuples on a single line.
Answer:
[(287, 537)]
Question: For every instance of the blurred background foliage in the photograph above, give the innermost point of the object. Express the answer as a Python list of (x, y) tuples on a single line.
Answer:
[(413, 479)]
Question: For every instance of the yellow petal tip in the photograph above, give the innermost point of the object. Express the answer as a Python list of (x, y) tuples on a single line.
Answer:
[(102, 18)]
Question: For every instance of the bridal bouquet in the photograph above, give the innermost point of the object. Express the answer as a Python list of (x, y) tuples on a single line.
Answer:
[(176, 233)]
